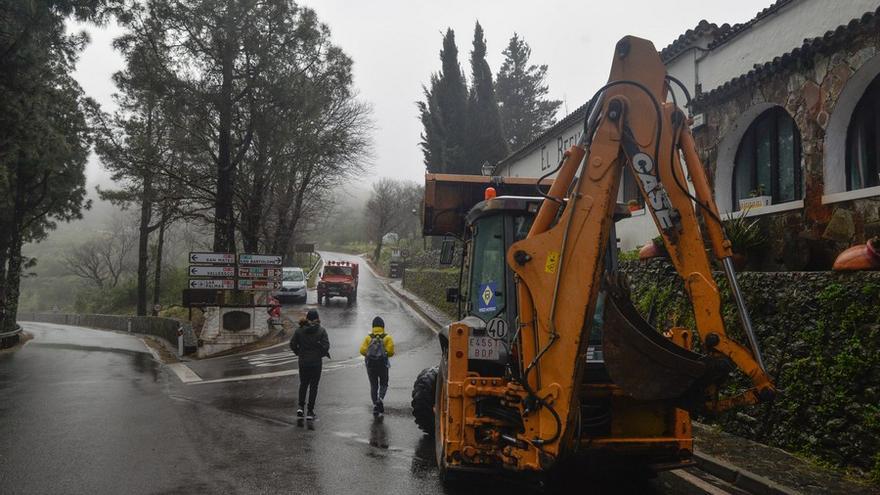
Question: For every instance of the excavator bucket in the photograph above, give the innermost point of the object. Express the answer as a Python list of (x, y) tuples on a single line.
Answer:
[(642, 362)]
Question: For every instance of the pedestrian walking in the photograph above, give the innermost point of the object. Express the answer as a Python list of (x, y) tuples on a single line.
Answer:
[(311, 344), (377, 347)]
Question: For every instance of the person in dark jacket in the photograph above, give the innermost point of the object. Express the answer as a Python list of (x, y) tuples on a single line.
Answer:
[(311, 344)]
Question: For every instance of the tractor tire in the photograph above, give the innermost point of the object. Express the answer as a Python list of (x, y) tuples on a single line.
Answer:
[(423, 396)]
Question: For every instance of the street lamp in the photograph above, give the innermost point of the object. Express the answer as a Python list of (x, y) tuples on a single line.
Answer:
[(487, 169)]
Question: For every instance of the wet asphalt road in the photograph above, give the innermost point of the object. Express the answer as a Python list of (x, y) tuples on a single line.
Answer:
[(88, 411)]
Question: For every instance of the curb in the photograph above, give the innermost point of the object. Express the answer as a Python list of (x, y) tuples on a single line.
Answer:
[(434, 324), (739, 477)]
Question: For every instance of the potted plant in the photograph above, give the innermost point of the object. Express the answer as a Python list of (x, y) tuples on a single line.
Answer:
[(653, 249), (633, 205), (744, 235), (757, 199)]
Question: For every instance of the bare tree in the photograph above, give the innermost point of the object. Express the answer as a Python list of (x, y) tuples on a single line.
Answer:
[(85, 262), (390, 208), (105, 261)]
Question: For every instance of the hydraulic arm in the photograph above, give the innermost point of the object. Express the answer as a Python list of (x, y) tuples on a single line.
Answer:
[(560, 267)]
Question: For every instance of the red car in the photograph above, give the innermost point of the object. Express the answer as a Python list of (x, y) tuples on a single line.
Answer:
[(339, 279)]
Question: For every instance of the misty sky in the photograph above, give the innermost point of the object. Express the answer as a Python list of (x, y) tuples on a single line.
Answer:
[(395, 45)]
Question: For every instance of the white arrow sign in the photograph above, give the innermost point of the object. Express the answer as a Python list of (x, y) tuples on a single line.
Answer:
[(250, 284), (215, 258), (212, 271), (259, 259), (228, 284)]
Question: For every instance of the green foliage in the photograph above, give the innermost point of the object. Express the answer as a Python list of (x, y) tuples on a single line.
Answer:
[(632, 255), (820, 336), (744, 234), (44, 135), (522, 95), (486, 141), (444, 115)]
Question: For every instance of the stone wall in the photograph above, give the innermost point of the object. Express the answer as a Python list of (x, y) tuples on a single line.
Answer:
[(430, 285), (820, 337), (810, 85)]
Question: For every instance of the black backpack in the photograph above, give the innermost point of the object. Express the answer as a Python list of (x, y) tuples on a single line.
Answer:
[(376, 354)]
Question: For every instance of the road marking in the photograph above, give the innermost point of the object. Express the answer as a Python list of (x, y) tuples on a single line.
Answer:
[(275, 374), (699, 483), (274, 359), (152, 351), (184, 372)]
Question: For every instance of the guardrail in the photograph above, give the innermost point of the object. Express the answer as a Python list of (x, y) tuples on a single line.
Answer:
[(10, 338), (165, 328)]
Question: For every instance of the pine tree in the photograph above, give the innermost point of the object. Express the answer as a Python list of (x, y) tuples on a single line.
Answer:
[(444, 114), (521, 92), (486, 139)]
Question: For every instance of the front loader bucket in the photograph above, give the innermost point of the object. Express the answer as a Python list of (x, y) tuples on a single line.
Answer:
[(642, 362)]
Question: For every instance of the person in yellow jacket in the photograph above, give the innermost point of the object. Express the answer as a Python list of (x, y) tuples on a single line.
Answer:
[(377, 347)]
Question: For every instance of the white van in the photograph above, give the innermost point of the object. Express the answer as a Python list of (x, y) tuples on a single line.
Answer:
[(293, 285)]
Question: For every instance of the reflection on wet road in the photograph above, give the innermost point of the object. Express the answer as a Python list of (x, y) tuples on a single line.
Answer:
[(87, 411)]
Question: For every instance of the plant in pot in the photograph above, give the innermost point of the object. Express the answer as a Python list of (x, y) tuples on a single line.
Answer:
[(745, 236), (633, 205), (653, 249)]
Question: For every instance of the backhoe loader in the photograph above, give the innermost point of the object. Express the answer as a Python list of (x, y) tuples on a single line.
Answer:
[(551, 361)]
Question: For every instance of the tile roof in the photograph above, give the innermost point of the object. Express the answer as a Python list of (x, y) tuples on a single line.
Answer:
[(690, 37), (737, 29), (811, 46)]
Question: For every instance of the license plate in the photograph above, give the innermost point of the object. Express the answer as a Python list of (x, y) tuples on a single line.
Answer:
[(483, 348)]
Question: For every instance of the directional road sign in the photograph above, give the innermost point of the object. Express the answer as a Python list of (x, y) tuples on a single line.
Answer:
[(219, 284), (212, 271), (259, 259), (259, 272), (251, 284), (212, 258)]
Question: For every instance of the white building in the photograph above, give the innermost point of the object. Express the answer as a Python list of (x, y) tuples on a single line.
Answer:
[(784, 65)]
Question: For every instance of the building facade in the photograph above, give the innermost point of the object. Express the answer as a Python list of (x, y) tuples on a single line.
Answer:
[(787, 109)]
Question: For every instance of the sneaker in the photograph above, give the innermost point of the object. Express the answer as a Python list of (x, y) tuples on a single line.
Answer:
[(310, 416), (299, 413), (381, 406)]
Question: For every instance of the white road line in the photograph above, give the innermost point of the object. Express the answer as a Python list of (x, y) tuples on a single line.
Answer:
[(275, 374), (699, 483), (184, 372), (153, 352), (244, 378)]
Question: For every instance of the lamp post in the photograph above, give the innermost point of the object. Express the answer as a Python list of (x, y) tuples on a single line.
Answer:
[(487, 169)]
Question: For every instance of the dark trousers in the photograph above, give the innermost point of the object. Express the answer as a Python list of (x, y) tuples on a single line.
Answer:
[(378, 376), (309, 376)]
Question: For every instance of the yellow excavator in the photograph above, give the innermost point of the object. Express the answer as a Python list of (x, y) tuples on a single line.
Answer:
[(550, 360)]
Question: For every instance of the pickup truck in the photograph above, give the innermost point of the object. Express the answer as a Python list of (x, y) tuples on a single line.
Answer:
[(339, 279)]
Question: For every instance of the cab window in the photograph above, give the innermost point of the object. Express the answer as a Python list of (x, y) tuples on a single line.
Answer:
[(488, 268)]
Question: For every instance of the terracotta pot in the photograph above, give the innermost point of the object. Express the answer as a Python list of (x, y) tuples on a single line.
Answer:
[(862, 257), (634, 207), (651, 250)]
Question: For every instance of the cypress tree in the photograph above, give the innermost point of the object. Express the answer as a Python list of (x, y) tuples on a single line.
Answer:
[(486, 143), (522, 95), (444, 114)]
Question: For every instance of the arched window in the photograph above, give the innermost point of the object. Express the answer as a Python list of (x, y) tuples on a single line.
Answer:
[(862, 145), (768, 160)]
